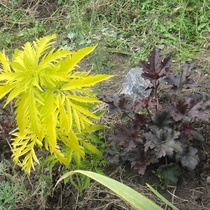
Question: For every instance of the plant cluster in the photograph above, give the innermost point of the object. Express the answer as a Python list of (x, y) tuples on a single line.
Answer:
[(155, 130), (54, 104)]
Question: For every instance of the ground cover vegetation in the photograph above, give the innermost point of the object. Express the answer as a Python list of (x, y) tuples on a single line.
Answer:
[(168, 130)]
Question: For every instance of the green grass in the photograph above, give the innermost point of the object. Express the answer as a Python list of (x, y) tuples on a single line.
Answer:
[(134, 27), (125, 27), (17, 191)]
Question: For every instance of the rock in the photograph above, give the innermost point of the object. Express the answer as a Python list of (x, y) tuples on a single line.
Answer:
[(135, 85)]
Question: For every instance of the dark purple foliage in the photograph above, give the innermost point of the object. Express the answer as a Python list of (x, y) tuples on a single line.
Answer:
[(129, 136), (179, 80), (156, 67), (152, 131), (141, 159)]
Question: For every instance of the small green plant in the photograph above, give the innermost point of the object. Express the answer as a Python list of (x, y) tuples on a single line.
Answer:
[(53, 101), (11, 192), (155, 131), (94, 161)]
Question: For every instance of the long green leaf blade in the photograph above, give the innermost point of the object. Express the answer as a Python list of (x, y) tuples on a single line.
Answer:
[(134, 198), (162, 198)]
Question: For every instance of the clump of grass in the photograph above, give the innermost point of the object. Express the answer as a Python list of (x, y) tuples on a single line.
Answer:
[(125, 27), (10, 188), (22, 21), (134, 27)]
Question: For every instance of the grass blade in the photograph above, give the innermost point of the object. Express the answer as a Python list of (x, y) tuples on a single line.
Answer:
[(134, 198)]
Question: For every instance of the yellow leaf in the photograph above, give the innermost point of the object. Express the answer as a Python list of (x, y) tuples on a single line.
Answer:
[(61, 157), (69, 114), (35, 115), (51, 101), (77, 120), (72, 141), (52, 57), (42, 44), (84, 99), (29, 58), (83, 111), (84, 121), (6, 89), (85, 82), (34, 156), (65, 116), (23, 145), (50, 124), (70, 63), (91, 148), (19, 68), (94, 128), (15, 92), (5, 62)]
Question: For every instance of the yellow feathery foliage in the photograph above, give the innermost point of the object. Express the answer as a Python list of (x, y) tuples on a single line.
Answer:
[(52, 100)]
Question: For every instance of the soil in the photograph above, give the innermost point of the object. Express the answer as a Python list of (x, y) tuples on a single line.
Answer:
[(192, 192)]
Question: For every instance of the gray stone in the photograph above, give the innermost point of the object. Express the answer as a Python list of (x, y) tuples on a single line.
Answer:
[(134, 84)]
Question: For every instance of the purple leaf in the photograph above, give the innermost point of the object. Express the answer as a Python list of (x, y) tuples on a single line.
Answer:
[(189, 158), (180, 110), (195, 110), (181, 79), (128, 136), (146, 103), (156, 67), (163, 141), (142, 160), (116, 101), (161, 120), (187, 130), (111, 100), (190, 109)]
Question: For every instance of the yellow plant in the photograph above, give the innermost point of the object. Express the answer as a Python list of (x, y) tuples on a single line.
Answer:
[(53, 101)]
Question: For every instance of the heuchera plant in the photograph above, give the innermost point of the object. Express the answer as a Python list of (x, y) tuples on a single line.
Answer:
[(53, 101), (156, 130)]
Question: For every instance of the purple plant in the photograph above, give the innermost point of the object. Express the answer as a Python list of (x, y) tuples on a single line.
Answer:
[(155, 131)]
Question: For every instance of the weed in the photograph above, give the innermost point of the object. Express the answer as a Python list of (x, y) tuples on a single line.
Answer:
[(11, 190)]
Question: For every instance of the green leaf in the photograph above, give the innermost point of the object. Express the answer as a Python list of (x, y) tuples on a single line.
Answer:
[(170, 173), (131, 196), (162, 198)]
